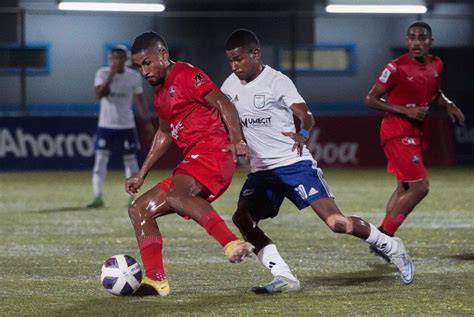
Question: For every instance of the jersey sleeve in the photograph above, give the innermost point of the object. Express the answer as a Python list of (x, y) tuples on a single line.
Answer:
[(285, 91), (197, 84), (388, 77), (100, 77)]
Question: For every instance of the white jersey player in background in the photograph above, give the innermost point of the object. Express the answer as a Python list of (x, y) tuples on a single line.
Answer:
[(281, 165), (116, 86)]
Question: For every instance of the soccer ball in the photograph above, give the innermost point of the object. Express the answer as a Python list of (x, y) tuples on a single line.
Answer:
[(121, 275)]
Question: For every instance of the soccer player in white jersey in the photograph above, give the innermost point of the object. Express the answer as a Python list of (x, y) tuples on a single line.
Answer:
[(281, 165), (116, 86)]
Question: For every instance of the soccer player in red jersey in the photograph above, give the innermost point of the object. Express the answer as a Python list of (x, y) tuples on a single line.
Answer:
[(204, 124), (411, 83)]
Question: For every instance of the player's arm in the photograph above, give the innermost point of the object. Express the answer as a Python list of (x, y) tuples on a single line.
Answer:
[(230, 116), (301, 111), (103, 89), (160, 145), (375, 100), (453, 111)]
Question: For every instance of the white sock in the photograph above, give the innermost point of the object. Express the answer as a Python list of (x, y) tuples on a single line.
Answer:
[(271, 259), (130, 164), (99, 172), (381, 241)]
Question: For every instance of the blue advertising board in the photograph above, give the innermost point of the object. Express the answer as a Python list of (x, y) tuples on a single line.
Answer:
[(48, 142)]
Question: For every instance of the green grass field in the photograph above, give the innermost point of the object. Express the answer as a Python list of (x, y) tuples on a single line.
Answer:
[(52, 250)]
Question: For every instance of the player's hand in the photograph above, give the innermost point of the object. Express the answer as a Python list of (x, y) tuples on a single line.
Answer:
[(455, 114), (238, 149), (416, 113), (133, 183), (299, 144)]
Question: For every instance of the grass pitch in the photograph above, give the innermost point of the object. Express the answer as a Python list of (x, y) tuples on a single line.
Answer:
[(52, 249)]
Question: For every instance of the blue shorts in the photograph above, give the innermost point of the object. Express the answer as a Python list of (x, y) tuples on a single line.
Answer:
[(118, 141), (264, 191)]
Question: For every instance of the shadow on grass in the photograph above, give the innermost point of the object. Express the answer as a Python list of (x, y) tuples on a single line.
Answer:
[(378, 273), (61, 209), (463, 257)]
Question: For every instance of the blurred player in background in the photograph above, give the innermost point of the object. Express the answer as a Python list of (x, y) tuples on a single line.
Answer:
[(116, 86), (411, 83), (204, 124), (266, 101)]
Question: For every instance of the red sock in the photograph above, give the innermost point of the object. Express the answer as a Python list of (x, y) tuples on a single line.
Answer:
[(216, 227), (390, 224), (152, 257)]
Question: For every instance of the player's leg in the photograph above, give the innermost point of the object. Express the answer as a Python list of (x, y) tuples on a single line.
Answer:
[(186, 196), (103, 147), (143, 213), (393, 248), (129, 144), (404, 159), (99, 173), (253, 206)]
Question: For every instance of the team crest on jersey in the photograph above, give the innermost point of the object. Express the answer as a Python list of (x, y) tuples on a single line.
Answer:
[(259, 101), (197, 80), (415, 159), (435, 74), (172, 91)]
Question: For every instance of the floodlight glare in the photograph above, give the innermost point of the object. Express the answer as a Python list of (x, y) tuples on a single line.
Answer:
[(111, 6), (377, 6)]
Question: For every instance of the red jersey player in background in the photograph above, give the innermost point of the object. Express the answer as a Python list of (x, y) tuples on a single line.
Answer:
[(204, 124), (411, 83)]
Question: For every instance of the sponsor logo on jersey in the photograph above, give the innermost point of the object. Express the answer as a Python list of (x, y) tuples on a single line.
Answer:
[(175, 130), (385, 75), (172, 91), (250, 122), (197, 80), (259, 101), (115, 94), (409, 141), (236, 98)]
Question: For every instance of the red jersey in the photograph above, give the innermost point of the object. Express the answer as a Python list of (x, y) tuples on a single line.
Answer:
[(180, 101), (409, 84)]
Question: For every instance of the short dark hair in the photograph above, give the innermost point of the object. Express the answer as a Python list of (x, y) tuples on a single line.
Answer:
[(242, 38), (420, 24), (146, 40)]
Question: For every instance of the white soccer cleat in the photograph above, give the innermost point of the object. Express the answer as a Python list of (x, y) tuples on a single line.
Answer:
[(280, 284), (402, 261)]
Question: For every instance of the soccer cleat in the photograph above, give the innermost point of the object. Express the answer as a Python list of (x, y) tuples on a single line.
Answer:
[(375, 251), (402, 261), (150, 287), (237, 250), (96, 203), (280, 284)]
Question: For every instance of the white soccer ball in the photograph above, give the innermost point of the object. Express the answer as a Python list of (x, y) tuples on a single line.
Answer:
[(121, 275)]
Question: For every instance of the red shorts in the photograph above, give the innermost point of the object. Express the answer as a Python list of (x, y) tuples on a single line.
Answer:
[(405, 158), (212, 168)]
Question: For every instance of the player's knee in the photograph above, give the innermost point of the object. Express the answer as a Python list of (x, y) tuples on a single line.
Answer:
[(134, 213), (339, 224), (174, 200), (240, 218)]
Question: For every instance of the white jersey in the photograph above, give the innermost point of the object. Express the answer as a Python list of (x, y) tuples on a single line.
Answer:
[(264, 110), (116, 108)]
